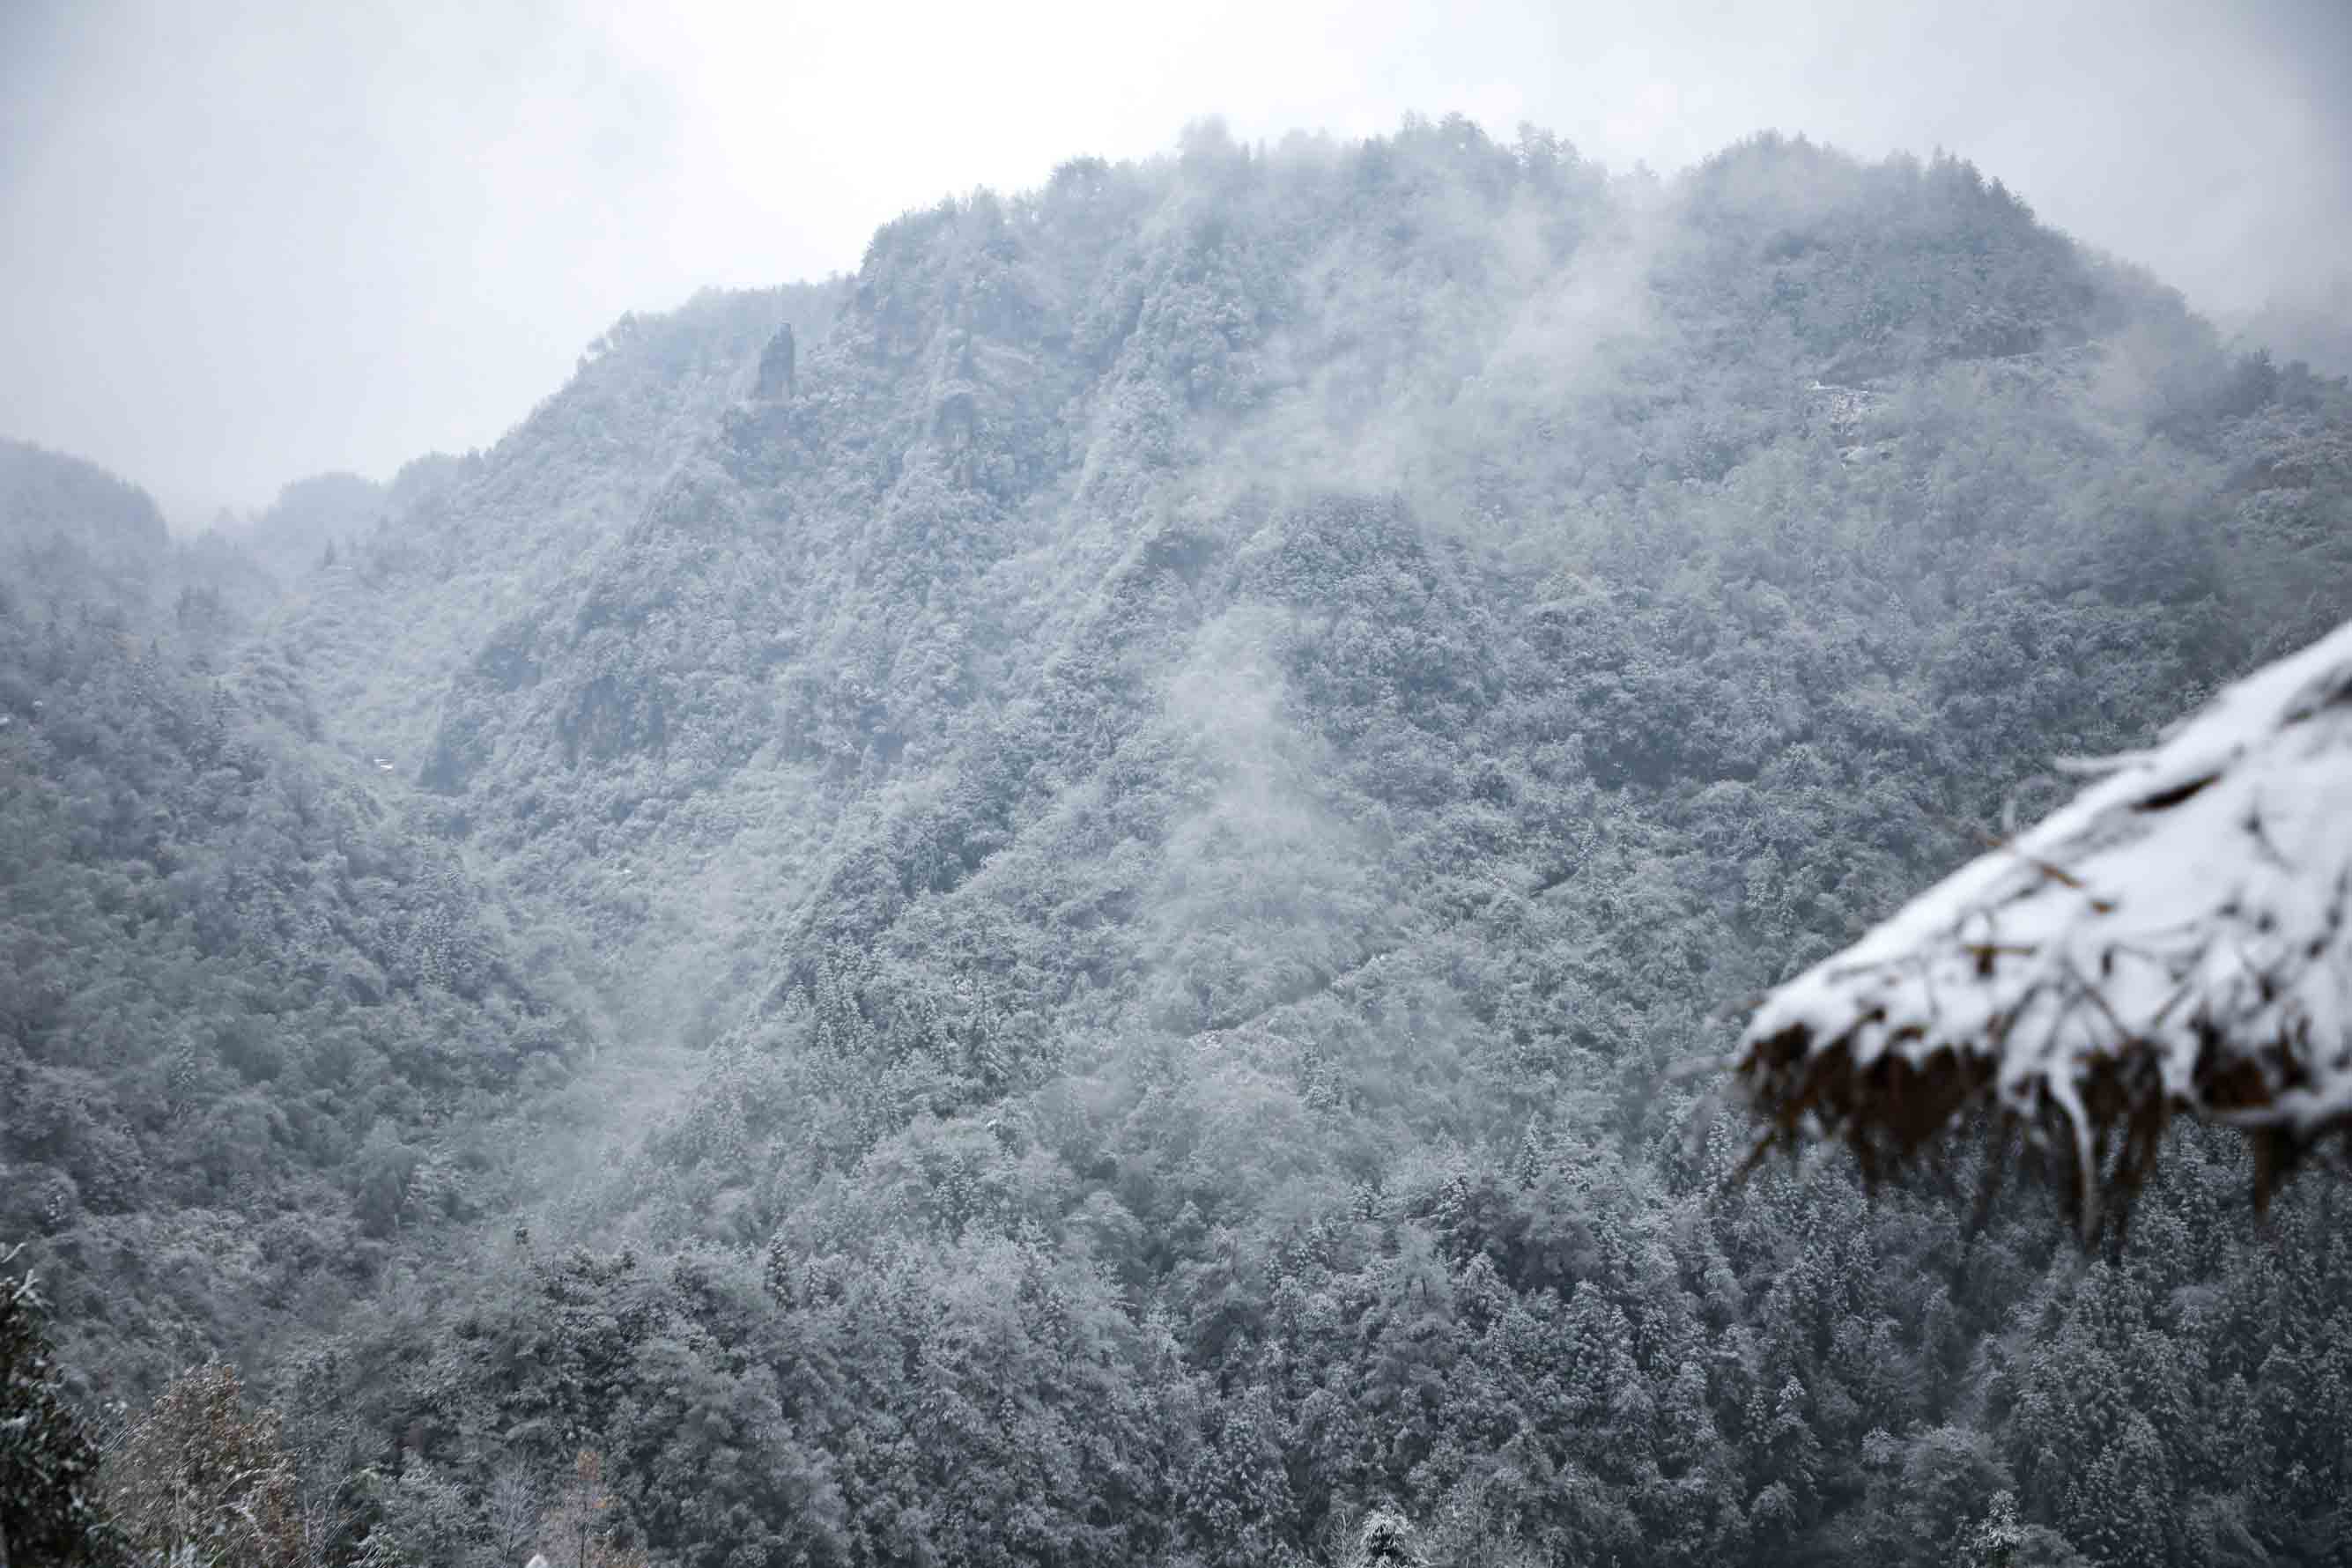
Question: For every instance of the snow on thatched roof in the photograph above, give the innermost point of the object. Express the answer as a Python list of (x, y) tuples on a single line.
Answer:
[(2174, 940)]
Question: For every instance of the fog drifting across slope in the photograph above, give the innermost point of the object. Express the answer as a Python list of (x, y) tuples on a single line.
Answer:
[(1149, 824), (265, 240)]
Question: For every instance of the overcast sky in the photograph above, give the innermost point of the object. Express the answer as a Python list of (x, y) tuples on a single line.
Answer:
[(246, 240)]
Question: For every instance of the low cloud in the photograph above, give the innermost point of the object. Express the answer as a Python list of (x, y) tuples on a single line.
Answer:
[(262, 239)]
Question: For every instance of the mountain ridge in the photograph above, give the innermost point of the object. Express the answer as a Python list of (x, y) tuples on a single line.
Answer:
[(1132, 838)]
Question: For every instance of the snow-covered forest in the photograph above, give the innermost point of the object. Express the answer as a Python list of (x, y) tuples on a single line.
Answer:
[(1046, 905)]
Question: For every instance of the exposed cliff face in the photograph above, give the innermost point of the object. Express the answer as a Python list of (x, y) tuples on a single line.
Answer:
[(775, 378)]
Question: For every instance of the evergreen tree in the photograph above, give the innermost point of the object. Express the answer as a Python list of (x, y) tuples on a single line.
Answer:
[(50, 1499)]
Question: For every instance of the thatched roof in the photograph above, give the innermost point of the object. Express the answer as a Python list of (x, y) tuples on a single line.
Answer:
[(2174, 940)]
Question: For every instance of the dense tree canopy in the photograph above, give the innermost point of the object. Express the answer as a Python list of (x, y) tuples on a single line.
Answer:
[(1057, 936)]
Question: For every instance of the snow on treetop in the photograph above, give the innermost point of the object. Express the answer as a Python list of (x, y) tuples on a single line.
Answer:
[(2174, 939)]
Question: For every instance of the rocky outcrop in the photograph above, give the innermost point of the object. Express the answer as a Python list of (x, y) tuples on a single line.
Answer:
[(775, 378)]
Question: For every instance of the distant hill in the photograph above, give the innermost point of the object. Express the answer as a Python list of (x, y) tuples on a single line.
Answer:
[(2316, 329), (312, 518), (71, 524), (255, 1034)]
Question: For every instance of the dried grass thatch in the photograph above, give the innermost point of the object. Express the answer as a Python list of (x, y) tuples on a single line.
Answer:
[(2174, 940)]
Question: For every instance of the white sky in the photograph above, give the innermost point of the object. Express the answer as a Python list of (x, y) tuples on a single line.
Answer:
[(247, 240)]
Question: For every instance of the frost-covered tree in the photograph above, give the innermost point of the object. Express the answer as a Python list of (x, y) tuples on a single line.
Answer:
[(198, 1479), (2175, 940), (49, 1511), (1385, 1539)]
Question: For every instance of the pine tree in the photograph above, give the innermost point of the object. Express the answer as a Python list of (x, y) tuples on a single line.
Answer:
[(49, 1508), (1997, 1538)]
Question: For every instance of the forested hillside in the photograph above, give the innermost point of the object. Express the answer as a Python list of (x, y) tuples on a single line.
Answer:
[(254, 1030), (1142, 797)]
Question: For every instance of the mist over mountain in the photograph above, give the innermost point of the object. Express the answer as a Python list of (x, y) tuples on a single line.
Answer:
[(2314, 328), (1036, 906)]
